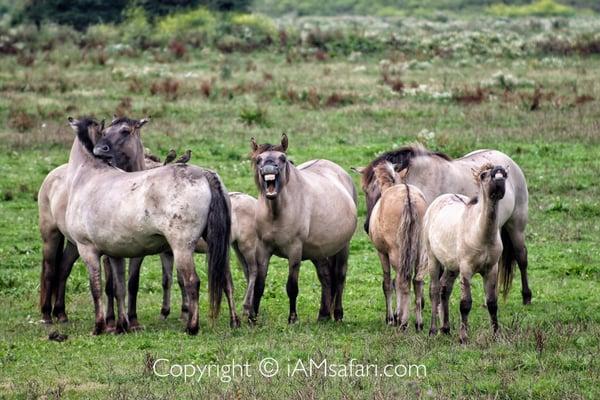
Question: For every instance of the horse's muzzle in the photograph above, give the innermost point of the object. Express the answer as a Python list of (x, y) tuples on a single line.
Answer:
[(498, 188), (270, 179)]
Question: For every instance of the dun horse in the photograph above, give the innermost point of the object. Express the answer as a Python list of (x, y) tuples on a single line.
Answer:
[(436, 174), (52, 202), (303, 213), (462, 238), (395, 231), (131, 215)]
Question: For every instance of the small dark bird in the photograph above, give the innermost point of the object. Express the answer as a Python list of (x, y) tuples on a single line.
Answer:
[(185, 157), (170, 156), (57, 337)]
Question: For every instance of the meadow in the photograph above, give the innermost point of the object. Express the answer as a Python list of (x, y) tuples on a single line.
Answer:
[(496, 87)]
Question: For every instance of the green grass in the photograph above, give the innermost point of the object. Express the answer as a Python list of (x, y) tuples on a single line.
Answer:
[(546, 350)]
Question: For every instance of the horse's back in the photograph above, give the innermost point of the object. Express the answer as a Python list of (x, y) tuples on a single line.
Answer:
[(331, 172)]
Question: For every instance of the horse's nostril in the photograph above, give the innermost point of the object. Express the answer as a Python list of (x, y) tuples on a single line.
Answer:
[(105, 148)]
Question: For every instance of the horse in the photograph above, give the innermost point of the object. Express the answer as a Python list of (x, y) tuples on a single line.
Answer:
[(52, 201), (303, 213), (395, 232), (243, 241), (462, 237), (436, 173), (132, 215)]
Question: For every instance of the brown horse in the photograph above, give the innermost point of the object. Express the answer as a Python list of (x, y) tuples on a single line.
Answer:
[(304, 212), (395, 231), (462, 238), (436, 173), (152, 220)]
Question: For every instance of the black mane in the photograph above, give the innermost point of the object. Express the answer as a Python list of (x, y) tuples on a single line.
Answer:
[(83, 134), (400, 158)]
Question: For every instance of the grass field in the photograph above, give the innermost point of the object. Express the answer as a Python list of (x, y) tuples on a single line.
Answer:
[(543, 112)]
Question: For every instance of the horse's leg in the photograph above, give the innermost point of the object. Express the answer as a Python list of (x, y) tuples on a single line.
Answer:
[(109, 289), (166, 259), (324, 273), (184, 262), (435, 269), (69, 256), (184, 315), (402, 300), (447, 284), (133, 286), (92, 260), (118, 275), (294, 261), (247, 259), (517, 237), (490, 281), (262, 264), (340, 263), (418, 284), (387, 288), (465, 302), (51, 250), (234, 320)]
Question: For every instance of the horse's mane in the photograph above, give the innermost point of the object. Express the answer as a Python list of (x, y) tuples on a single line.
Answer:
[(126, 120), (83, 134), (400, 158), (267, 147)]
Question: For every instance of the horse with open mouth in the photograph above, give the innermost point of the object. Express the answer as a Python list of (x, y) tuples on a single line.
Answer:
[(132, 215), (303, 213)]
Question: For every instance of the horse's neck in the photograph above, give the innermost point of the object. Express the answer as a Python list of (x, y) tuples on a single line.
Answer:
[(79, 162), (289, 197), (485, 213)]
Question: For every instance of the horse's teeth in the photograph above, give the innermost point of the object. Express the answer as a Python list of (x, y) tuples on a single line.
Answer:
[(498, 175), (270, 177)]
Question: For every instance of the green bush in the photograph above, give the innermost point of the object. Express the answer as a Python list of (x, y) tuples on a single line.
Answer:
[(101, 35), (540, 8), (195, 26), (136, 29), (76, 13)]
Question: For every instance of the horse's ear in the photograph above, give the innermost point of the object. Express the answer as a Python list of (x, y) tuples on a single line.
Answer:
[(102, 125), (358, 170), (142, 122), (73, 123), (253, 145), (284, 142)]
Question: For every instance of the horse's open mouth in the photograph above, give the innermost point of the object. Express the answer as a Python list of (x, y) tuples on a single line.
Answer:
[(271, 185)]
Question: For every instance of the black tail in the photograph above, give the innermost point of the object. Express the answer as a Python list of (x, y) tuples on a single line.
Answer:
[(506, 264), (216, 235)]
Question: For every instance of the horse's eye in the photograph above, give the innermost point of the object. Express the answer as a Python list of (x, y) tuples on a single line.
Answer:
[(258, 160), (282, 158), (482, 175), (125, 132)]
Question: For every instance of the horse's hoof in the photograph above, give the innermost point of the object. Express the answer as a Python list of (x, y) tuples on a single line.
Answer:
[(99, 328), (122, 327), (164, 313), (184, 316), (432, 332), (404, 326), (445, 331), (234, 322), (390, 321), (252, 319), (293, 318), (323, 317), (62, 318), (463, 340), (526, 298), (338, 315), (418, 326), (46, 320), (192, 330)]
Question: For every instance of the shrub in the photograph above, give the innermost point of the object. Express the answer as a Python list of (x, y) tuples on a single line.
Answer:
[(540, 8), (136, 29), (77, 13), (100, 35), (195, 26), (254, 116)]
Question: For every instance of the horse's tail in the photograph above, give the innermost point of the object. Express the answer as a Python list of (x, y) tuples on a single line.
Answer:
[(407, 238), (216, 235), (506, 263)]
